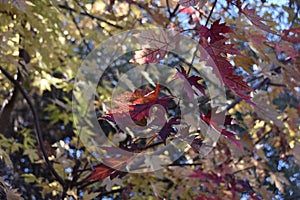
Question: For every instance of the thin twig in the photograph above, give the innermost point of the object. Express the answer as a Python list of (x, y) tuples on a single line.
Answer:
[(295, 16), (174, 11), (262, 137), (277, 84), (245, 169), (184, 164), (210, 13), (168, 7), (206, 23), (36, 123), (80, 31), (91, 16)]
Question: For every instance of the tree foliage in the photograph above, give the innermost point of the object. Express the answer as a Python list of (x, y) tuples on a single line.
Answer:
[(251, 46)]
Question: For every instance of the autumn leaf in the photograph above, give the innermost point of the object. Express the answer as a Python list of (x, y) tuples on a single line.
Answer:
[(288, 49), (213, 41), (197, 144), (207, 176), (155, 46), (141, 106), (111, 167), (190, 81), (100, 173), (235, 185), (258, 39), (7, 193), (220, 117), (148, 55), (138, 104), (12, 194), (256, 20), (187, 3), (215, 32), (279, 180), (291, 35), (245, 62), (167, 128), (217, 117)]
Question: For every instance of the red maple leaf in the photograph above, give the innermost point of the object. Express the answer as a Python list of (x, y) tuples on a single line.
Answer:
[(103, 171), (288, 49), (291, 35), (190, 81), (155, 45), (213, 41), (235, 185), (112, 166), (148, 55), (215, 32), (258, 38), (168, 128), (137, 104), (141, 106), (207, 176), (256, 20), (217, 118), (100, 173)]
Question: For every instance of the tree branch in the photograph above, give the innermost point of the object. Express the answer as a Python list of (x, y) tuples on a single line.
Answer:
[(184, 164), (206, 23), (210, 13), (36, 123), (8, 106), (90, 16), (80, 31)]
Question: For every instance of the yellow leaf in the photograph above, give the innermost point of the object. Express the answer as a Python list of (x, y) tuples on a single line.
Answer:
[(245, 62)]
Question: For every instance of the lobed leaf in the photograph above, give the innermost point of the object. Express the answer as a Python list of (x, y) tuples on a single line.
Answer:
[(256, 20)]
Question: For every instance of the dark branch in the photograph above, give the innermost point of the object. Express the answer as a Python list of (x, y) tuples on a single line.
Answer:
[(80, 31), (8, 106), (91, 16), (210, 13), (36, 123)]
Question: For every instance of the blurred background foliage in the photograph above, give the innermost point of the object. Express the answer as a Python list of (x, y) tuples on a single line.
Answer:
[(42, 44)]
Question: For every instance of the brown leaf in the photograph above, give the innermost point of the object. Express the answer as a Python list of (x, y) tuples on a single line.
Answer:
[(278, 179), (246, 62), (13, 195)]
